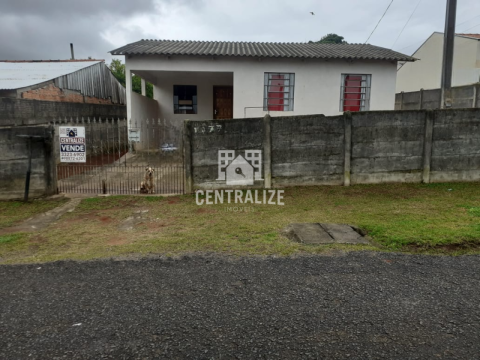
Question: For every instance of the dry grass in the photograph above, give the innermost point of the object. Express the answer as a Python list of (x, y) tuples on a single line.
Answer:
[(412, 217)]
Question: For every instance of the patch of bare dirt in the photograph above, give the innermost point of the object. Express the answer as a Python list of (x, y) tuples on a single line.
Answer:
[(117, 240), (106, 219), (447, 248), (10, 230), (204, 210)]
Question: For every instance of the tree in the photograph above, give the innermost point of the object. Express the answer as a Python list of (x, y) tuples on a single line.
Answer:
[(330, 39), (118, 70)]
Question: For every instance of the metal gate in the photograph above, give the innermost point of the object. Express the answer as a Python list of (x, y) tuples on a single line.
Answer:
[(118, 154)]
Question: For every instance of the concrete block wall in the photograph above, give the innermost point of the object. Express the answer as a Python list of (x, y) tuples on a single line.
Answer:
[(357, 148), (307, 149), (31, 112), (208, 137), (463, 97), (431, 99), (14, 154), (456, 146), (387, 146)]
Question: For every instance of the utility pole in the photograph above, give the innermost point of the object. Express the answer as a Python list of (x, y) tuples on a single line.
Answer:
[(448, 43)]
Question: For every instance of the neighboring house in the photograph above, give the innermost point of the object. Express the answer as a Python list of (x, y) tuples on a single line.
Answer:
[(426, 73), (75, 81), (218, 80)]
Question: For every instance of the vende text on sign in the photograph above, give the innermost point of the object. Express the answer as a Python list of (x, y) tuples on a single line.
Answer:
[(72, 144)]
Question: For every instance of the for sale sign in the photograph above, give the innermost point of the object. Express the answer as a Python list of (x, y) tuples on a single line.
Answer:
[(72, 144)]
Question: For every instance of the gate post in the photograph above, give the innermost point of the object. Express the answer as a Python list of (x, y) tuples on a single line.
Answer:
[(187, 157), (51, 144)]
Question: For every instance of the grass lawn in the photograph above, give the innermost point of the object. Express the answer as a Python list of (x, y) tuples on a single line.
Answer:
[(410, 217)]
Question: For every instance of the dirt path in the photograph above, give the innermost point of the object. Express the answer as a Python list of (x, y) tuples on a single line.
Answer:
[(41, 221)]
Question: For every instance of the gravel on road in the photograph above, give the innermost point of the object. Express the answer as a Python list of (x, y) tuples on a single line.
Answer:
[(359, 305)]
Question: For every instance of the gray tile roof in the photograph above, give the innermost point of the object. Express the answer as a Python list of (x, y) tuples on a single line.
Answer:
[(256, 49)]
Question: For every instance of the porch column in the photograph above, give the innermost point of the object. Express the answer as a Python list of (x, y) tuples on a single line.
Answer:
[(128, 90), (144, 87)]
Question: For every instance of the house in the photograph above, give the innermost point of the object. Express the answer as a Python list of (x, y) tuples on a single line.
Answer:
[(43, 90), (200, 80), (427, 73)]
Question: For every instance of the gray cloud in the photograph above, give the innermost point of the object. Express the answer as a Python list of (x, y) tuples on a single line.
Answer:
[(33, 29), (53, 8)]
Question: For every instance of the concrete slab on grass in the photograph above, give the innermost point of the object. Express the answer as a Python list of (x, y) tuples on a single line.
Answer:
[(317, 234)]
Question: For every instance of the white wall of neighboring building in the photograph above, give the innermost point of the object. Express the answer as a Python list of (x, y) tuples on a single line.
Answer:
[(426, 73), (317, 82)]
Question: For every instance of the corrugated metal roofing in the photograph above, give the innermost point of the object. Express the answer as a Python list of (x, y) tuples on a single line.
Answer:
[(473, 36), (255, 49), (16, 75), (96, 80), (91, 78)]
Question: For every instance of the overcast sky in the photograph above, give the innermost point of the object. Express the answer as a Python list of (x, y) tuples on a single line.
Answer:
[(43, 29)]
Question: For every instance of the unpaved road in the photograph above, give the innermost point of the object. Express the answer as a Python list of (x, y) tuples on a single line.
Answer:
[(361, 306)]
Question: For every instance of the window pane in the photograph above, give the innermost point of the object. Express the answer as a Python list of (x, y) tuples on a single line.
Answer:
[(185, 99)]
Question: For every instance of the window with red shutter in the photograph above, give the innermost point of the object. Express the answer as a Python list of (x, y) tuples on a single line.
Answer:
[(355, 92), (278, 94)]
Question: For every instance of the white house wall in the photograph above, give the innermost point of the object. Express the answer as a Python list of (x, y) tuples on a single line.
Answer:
[(317, 82), (426, 73), (143, 107)]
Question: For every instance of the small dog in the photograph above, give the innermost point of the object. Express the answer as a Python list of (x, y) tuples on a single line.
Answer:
[(147, 186)]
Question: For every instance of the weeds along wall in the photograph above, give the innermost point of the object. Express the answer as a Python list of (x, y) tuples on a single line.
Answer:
[(354, 148)]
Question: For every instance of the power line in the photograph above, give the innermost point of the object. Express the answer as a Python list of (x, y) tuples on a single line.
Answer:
[(406, 47), (414, 10), (467, 20), (463, 32), (460, 32), (409, 46), (388, 7)]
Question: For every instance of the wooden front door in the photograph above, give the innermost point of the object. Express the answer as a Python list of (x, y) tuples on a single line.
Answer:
[(223, 102)]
